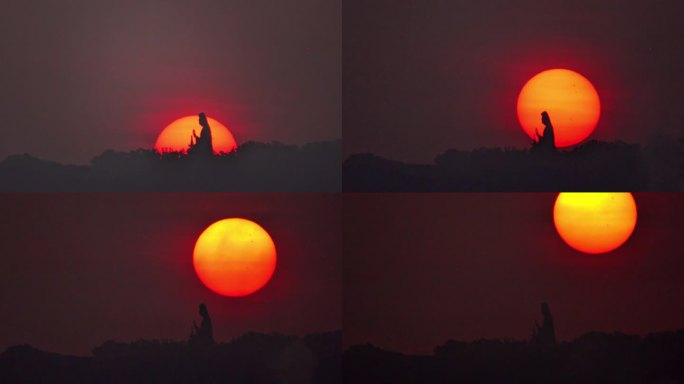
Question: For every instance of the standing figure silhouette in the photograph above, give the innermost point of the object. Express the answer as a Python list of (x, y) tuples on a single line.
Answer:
[(202, 144), (546, 142), (204, 334), (544, 336)]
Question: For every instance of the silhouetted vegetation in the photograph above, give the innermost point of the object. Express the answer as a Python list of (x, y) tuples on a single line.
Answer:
[(592, 166), (250, 358), (600, 358), (595, 357), (314, 167)]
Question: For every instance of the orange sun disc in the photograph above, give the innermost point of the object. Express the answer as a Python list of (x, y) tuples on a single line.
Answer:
[(595, 222), (234, 257), (176, 136), (570, 99)]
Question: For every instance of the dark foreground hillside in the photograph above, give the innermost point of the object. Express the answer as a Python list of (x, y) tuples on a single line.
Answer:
[(595, 358), (251, 358), (592, 166), (254, 167)]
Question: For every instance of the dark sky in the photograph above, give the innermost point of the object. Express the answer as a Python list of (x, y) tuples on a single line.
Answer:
[(79, 269), (79, 77), (421, 76), (423, 268)]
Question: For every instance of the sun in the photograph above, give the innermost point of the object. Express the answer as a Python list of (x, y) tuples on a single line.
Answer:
[(234, 257), (176, 136), (570, 99), (595, 222)]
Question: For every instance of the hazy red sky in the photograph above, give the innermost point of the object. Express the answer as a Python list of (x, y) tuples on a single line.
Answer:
[(79, 269), (423, 268), (79, 77), (422, 76)]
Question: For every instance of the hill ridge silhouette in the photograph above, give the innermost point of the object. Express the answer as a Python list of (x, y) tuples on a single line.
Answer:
[(594, 357), (591, 166), (253, 167), (251, 357)]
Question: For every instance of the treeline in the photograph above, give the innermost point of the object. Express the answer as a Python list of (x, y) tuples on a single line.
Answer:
[(251, 358), (594, 358), (592, 166), (254, 167)]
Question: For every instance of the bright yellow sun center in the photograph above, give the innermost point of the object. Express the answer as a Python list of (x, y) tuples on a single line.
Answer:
[(595, 222), (234, 257)]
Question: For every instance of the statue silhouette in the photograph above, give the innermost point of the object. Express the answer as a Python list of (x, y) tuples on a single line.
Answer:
[(546, 142), (204, 334), (544, 336), (202, 144)]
